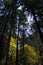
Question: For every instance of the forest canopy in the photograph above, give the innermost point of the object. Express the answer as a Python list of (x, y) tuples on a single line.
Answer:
[(21, 32)]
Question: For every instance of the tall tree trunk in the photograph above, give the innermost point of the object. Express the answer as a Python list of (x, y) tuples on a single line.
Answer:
[(24, 63), (23, 40), (38, 27), (17, 46), (7, 18), (8, 47), (23, 47), (1, 40), (12, 24), (17, 53), (40, 32), (13, 16)]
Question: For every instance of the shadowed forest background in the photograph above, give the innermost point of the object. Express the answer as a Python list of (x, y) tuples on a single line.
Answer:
[(21, 32)]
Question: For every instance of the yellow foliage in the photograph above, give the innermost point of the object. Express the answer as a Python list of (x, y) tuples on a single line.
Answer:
[(12, 51), (31, 53), (13, 42)]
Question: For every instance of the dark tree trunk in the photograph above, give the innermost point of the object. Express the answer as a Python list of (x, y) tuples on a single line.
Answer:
[(12, 24), (2, 37), (17, 53), (7, 20), (40, 33), (8, 47), (38, 27), (23, 40), (23, 50), (17, 46)]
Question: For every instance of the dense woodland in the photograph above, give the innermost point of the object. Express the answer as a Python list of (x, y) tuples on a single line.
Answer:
[(21, 32)]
